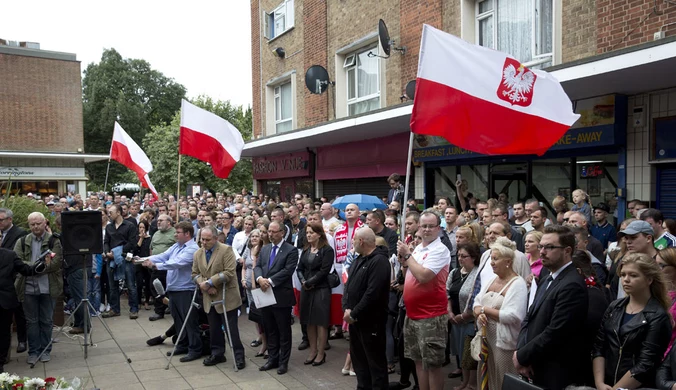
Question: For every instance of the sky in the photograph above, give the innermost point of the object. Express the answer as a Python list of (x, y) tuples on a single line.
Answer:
[(203, 44)]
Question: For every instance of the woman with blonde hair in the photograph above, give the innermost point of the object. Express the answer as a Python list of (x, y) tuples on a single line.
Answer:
[(635, 330), (478, 234), (531, 242), (499, 309)]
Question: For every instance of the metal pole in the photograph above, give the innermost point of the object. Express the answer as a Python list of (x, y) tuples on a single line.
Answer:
[(105, 184), (178, 183), (408, 179)]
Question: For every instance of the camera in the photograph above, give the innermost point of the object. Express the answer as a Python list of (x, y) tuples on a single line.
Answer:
[(40, 264)]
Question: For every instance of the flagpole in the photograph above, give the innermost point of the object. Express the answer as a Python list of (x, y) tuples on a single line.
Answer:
[(105, 184), (178, 184), (408, 179)]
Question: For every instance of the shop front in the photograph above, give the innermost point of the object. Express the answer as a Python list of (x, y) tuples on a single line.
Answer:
[(42, 181), (590, 156), (361, 167), (285, 174)]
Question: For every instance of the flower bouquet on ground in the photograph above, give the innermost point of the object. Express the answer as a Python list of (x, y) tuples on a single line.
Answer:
[(15, 382)]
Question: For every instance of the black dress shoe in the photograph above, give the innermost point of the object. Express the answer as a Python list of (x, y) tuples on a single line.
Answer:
[(189, 358), (213, 360), (303, 345), (310, 361), (155, 317), (398, 385), (241, 364), (21, 347), (260, 354), (268, 366), (155, 341), (319, 363), (178, 352), (283, 368)]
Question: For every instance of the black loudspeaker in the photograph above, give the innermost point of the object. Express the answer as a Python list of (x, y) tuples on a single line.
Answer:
[(81, 232)]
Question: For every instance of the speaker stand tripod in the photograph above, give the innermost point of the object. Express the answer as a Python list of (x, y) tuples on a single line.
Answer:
[(86, 327)]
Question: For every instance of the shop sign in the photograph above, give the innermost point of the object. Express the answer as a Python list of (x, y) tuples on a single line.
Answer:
[(282, 166), (591, 171), (41, 172)]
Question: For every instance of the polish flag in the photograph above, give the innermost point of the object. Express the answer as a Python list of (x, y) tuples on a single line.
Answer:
[(208, 137), (485, 101), (127, 152)]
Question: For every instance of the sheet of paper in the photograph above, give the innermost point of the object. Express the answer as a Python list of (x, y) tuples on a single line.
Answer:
[(263, 298), (533, 291)]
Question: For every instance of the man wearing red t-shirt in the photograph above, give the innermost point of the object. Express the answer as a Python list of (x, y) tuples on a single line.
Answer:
[(426, 324)]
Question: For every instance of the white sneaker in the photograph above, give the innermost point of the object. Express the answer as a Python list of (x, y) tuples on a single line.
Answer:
[(352, 373), (32, 359), (107, 307), (102, 307)]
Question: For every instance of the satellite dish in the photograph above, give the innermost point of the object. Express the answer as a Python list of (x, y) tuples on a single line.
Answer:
[(317, 79), (384, 37), (410, 89)]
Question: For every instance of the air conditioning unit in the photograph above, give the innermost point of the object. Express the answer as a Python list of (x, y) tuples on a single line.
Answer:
[(30, 45)]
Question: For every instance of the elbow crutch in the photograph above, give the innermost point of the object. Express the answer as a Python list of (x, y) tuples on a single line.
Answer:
[(193, 304), (226, 328)]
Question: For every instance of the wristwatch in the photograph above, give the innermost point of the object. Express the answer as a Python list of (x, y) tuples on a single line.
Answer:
[(482, 310), (408, 256)]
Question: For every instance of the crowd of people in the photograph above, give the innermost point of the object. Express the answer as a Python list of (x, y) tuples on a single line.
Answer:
[(557, 294)]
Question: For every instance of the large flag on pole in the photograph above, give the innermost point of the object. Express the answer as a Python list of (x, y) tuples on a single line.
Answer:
[(127, 152), (208, 137), (484, 100)]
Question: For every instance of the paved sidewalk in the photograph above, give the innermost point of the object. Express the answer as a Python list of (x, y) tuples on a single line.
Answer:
[(106, 368)]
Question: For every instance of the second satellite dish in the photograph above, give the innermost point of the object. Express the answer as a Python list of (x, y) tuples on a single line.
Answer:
[(317, 79), (410, 89), (385, 42)]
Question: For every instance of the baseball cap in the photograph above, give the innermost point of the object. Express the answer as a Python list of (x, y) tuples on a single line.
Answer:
[(602, 206), (637, 227), (30, 195), (50, 203)]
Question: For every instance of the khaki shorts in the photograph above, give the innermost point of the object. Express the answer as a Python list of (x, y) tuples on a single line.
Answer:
[(425, 340)]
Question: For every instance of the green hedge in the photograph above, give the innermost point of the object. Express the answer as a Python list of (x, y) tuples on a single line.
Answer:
[(22, 207)]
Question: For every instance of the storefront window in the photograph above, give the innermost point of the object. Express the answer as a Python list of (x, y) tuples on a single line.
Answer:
[(551, 178), (597, 175), (305, 186), (272, 188), (43, 188)]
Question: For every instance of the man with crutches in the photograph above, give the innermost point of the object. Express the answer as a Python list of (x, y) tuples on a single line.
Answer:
[(214, 270), (181, 290)]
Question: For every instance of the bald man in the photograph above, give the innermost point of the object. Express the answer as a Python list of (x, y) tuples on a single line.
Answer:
[(327, 215), (365, 300)]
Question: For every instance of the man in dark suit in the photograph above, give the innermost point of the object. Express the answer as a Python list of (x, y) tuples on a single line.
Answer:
[(9, 235), (274, 268), (550, 349), (10, 264)]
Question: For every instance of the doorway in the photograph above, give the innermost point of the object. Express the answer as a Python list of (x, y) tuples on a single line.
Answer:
[(510, 179)]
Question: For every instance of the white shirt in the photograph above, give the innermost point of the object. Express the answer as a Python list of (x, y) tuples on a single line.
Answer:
[(435, 256), (327, 222), (238, 243)]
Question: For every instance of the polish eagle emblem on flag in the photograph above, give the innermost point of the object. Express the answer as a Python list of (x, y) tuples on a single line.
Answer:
[(517, 83)]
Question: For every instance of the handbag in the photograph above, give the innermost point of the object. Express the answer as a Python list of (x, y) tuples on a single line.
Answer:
[(475, 345), (333, 278), (255, 314), (517, 382)]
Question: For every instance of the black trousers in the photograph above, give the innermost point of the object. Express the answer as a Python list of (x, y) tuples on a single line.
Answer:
[(277, 323), (191, 340), (162, 276), (20, 319), (217, 337), (5, 333), (368, 353)]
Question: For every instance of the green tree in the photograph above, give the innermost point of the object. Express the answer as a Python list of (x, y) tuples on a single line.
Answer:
[(131, 92), (161, 145)]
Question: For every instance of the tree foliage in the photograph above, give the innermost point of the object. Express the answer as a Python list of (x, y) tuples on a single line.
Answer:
[(161, 145), (131, 92)]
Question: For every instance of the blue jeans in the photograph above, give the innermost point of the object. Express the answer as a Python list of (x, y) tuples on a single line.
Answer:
[(130, 282), (94, 292), (77, 293), (39, 311)]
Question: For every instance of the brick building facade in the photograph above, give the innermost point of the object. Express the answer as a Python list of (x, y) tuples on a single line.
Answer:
[(41, 121), (617, 49)]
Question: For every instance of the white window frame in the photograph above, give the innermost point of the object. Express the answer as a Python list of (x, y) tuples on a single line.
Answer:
[(536, 59), (277, 93), (284, 10), (352, 65)]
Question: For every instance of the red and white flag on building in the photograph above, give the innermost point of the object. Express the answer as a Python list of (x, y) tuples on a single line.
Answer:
[(486, 101), (127, 152), (208, 137)]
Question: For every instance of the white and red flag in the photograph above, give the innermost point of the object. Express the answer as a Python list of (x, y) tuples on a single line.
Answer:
[(208, 137), (484, 100), (127, 152)]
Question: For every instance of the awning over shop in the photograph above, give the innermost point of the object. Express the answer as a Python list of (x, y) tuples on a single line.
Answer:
[(87, 158)]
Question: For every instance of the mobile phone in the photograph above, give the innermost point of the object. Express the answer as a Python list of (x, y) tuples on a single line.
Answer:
[(458, 177)]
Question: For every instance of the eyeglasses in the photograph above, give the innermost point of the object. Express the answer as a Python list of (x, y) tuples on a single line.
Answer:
[(566, 219), (428, 226), (464, 256), (550, 247)]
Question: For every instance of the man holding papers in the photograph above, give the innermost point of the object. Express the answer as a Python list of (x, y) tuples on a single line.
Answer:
[(274, 269)]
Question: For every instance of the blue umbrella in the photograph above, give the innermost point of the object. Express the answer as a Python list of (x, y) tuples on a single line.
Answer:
[(365, 202)]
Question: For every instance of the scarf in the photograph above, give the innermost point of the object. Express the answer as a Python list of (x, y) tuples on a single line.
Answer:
[(342, 240)]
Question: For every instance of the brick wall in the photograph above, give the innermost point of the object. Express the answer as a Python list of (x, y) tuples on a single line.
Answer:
[(256, 105), (451, 16), (415, 13), (40, 104), (625, 23), (579, 29), (314, 48)]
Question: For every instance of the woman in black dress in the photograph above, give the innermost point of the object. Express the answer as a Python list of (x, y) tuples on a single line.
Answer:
[(315, 297), (142, 273)]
